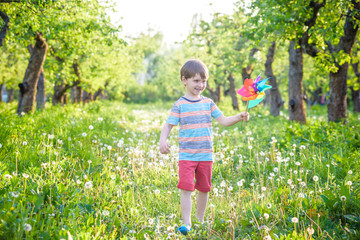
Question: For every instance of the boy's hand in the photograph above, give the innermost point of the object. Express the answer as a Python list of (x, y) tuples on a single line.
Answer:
[(164, 147), (244, 116)]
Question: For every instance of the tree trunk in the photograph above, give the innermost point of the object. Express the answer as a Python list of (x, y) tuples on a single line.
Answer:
[(296, 100), (246, 72), (338, 86), (10, 94), (1, 92), (40, 93), (32, 74), (232, 91), (87, 97), (5, 28), (78, 93), (215, 95), (355, 94), (99, 94), (275, 98)]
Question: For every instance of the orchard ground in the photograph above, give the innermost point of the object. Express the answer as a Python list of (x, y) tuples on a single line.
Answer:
[(95, 172)]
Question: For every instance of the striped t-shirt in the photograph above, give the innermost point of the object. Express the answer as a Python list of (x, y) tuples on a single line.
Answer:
[(195, 134)]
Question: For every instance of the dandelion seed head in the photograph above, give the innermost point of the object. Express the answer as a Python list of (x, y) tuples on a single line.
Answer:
[(88, 185), (27, 227), (343, 198), (310, 230), (295, 220), (266, 216), (316, 178)]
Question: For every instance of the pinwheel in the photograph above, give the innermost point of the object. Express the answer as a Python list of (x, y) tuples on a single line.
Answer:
[(253, 91)]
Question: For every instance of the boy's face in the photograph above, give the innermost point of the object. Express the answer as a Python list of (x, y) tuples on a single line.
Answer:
[(194, 85)]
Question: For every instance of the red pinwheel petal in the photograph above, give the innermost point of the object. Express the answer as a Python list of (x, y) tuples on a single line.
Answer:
[(243, 92)]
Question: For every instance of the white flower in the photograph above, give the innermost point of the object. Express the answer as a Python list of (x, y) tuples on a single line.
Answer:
[(151, 221), (78, 182), (27, 227), (223, 184), (157, 191), (295, 220), (105, 213), (303, 184), (84, 134), (91, 127), (349, 172), (343, 198), (51, 136), (310, 231), (276, 169), (109, 148), (268, 205), (25, 175), (15, 195), (7, 176), (89, 184), (263, 189), (266, 216), (349, 183), (297, 163), (22, 113), (239, 183), (0, 145), (316, 178), (301, 195), (24, 143), (100, 119), (302, 147)]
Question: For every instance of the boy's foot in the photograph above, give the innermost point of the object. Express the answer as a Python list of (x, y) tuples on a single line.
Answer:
[(184, 229)]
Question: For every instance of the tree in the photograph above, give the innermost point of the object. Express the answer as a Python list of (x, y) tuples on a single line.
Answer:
[(29, 85), (275, 98)]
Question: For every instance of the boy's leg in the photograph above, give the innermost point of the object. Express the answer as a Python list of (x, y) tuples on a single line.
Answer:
[(186, 206), (201, 203)]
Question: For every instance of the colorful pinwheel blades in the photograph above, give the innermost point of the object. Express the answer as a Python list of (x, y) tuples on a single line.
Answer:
[(253, 92)]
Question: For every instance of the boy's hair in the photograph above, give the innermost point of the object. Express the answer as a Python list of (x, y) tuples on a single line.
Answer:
[(192, 67)]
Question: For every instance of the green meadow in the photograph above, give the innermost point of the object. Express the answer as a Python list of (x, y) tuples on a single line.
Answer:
[(95, 172)]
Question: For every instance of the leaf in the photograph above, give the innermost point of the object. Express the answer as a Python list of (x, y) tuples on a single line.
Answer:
[(352, 218), (324, 198)]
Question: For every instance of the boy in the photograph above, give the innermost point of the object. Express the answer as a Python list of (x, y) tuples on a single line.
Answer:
[(193, 112)]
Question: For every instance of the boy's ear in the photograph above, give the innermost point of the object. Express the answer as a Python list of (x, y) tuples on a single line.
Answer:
[(183, 79)]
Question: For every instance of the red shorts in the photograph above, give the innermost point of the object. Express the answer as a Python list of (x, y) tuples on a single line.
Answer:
[(202, 171)]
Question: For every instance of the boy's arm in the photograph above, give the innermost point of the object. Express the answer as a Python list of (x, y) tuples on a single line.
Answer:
[(164, 145), (229, 121)]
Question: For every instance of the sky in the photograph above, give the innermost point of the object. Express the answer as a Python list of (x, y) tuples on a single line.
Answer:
[(171, 17)]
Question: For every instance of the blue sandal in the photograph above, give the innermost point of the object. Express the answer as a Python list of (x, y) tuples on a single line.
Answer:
[(184, 229)]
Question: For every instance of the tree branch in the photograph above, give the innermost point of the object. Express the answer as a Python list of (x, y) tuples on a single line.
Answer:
[(5, 28), (311, 49)]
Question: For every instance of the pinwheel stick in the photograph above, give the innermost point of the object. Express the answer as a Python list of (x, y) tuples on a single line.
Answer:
[(247, 105)]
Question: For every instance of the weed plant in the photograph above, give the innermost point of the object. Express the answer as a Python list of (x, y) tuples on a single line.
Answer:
[(95, 172)]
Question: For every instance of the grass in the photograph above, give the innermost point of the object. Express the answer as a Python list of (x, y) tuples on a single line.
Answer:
[(95, 172)]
